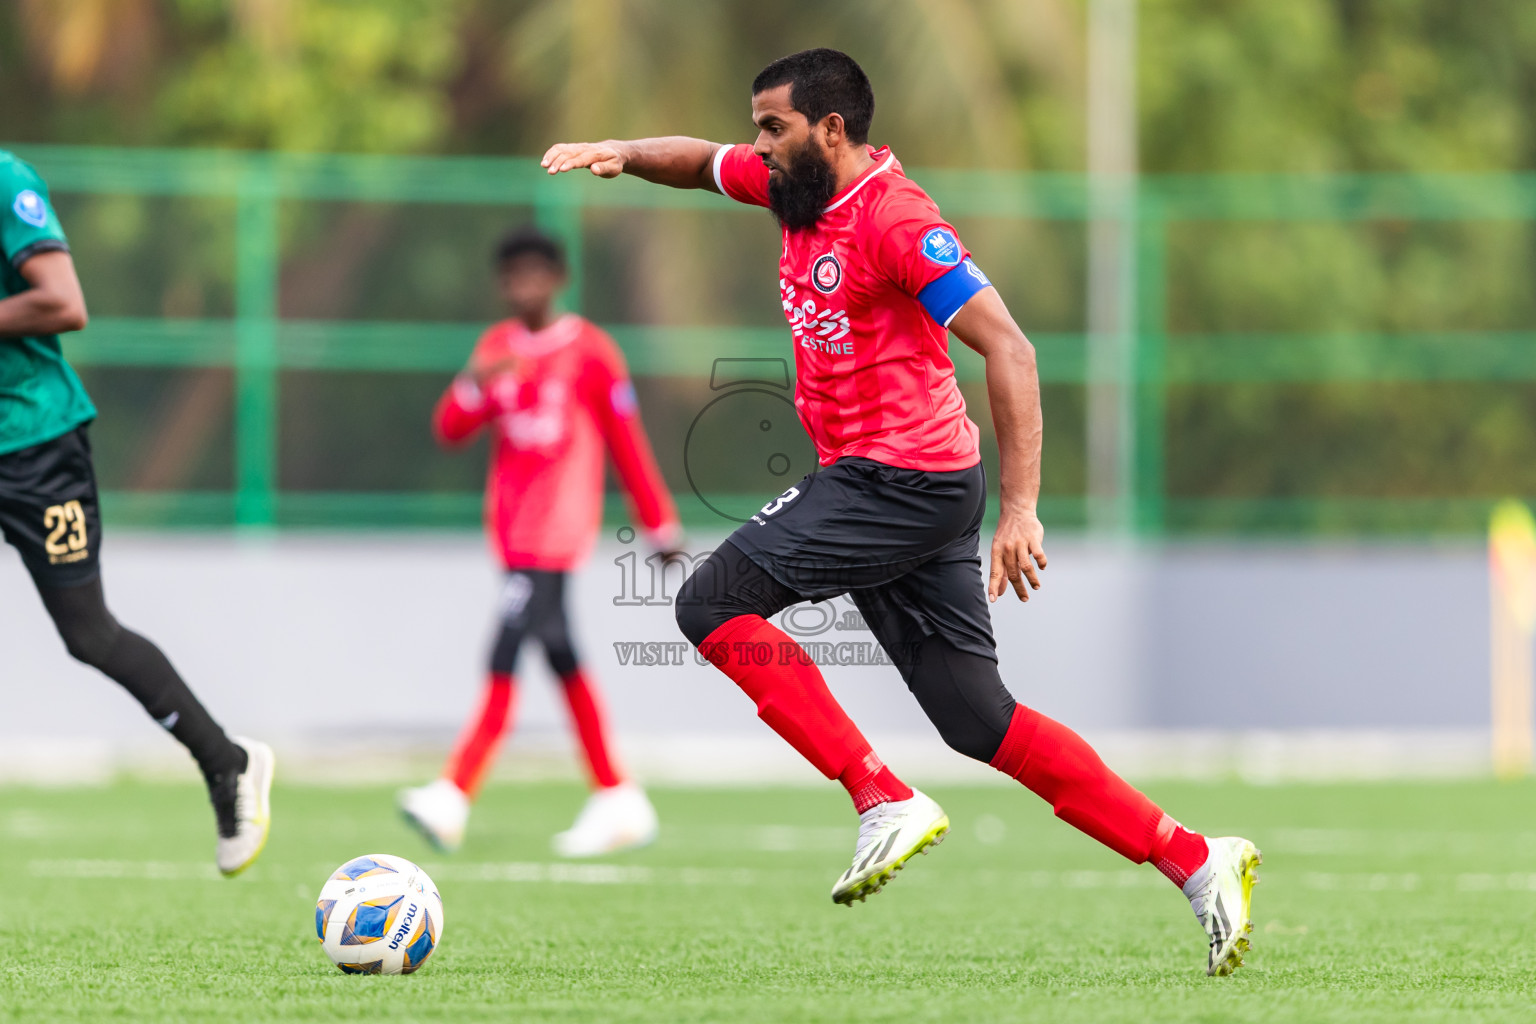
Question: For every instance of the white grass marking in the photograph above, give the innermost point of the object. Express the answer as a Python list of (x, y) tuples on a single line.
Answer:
[(24, 823), (566, 873), (764, 838), (144, 870), (1367, 881), (1395, 842), (1517, 882), (531, 872)]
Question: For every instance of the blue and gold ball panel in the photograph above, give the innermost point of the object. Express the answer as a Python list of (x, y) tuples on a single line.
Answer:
[(362, 867), (370, 921), (372, 967), (421, 945), (323, 917)]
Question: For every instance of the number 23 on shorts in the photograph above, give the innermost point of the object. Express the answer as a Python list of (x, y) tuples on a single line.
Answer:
[(776, 504), (779, 502), (67, 539)]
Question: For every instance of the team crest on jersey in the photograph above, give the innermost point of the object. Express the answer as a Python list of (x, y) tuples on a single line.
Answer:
[(942, 247), (826, 273), (29, 207)]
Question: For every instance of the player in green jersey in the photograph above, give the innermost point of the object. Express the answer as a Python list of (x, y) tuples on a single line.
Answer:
[(48, 508)]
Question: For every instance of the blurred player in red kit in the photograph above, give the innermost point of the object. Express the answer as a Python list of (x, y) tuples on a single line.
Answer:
[(872, 280), (555, 394)]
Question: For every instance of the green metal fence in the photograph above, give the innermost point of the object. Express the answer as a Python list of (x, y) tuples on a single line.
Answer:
[(257, 344)]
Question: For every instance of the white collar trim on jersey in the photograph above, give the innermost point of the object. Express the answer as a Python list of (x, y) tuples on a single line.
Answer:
[(884, 166), (559, 331)]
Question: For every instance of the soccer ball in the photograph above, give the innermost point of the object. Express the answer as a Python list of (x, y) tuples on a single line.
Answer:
[(379, 914)]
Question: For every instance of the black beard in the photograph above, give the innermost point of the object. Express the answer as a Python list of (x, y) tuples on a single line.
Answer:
[(800, 192)]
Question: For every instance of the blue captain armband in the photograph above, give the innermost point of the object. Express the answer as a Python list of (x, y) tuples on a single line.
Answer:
[(943, 296)]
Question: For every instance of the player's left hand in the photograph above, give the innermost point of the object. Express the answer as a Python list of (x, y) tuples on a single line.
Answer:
[(1018, 547)]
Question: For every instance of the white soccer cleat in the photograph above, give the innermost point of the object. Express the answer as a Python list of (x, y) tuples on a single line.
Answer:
[(244, 810), (1221, 893), (618, 818), (890, 834), (439, 811)]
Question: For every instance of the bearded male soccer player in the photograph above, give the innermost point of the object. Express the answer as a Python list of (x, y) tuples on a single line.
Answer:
[(871, 276), (48, 509), (554, 392)]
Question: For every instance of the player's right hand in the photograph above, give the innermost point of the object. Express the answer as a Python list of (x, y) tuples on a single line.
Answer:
[(482, 373), (1019, 540), (605, 158)]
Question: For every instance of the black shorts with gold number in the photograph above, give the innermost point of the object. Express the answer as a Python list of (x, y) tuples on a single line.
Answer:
[(48, 509), (903, 543)]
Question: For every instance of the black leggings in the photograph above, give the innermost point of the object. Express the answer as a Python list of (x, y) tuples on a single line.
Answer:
[(533, 604), (960, 692), (93, 636)]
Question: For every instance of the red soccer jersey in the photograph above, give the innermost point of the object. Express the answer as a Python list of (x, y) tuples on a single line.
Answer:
[(554, 398), (869, 290)]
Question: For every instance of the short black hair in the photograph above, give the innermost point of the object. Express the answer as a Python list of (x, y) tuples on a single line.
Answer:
[(823, 82), (529, 241)]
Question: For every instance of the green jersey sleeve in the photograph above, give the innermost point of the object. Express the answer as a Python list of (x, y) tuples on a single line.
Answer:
[(28, 224)]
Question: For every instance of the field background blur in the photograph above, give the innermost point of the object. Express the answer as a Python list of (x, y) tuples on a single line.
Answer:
[(1287, 335), (1320, 380), (1242, 89)]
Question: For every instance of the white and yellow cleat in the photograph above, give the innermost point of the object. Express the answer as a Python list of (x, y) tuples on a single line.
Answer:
[(617, 818), (890, 834), (439, 811), (243, 808), (1221, 894)]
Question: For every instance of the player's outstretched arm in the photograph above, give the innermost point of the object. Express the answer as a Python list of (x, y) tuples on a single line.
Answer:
[(461, 412), (674, 160), (1013, 390), (53, 305)]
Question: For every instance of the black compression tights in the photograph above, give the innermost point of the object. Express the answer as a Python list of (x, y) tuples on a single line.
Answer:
[(960, 692), (94, 637)]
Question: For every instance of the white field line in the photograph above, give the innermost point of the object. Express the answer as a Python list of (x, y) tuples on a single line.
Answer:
[(1395, 842), (561, 873), (722, 759), (137, 870), (557, 873)]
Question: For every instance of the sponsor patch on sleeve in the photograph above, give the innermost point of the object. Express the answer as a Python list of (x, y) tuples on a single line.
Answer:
[(622, 397), (942, 247), (29, 206)]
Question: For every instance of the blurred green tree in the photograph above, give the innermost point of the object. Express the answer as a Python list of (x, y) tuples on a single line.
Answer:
[(1225, 86)]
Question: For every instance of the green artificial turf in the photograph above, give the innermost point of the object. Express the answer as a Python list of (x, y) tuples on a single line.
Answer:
[(1393, 902)]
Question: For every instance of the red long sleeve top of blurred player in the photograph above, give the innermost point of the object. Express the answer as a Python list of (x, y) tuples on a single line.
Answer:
[(554, 400)]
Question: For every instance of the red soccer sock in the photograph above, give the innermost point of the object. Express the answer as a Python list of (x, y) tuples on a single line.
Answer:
[(591, 721), (1177, 852), (793, 699), (870, 782), (1058, 765), (476, 749)]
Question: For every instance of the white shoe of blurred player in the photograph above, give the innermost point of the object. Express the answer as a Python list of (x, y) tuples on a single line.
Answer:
[(890, 834), (439, 811), (618, 818), (1221, 894), (244, 809)]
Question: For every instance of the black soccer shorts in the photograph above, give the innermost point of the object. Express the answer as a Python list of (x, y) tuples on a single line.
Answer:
[(533, 604), (904, 544), (48, 509)]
